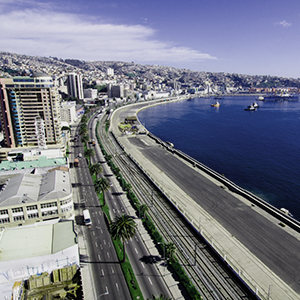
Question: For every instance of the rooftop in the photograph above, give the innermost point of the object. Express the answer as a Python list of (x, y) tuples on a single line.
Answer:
[(44, 239)]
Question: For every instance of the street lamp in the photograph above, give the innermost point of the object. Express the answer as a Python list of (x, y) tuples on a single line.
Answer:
[(138, 206), (106, 293), (164, 256)]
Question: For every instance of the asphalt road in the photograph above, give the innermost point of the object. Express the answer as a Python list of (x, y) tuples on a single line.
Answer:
[(107, 274), (266, 240)]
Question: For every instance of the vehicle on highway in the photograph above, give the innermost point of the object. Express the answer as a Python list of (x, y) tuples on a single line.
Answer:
[(76, 162), (87, 218), (79, 155)]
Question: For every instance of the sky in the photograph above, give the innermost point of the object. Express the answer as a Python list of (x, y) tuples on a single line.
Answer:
[(257, 37)]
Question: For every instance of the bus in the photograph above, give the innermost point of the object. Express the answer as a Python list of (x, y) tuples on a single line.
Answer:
[(87, 218)]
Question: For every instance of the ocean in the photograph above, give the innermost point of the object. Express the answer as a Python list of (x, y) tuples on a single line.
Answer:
[(258, 150)]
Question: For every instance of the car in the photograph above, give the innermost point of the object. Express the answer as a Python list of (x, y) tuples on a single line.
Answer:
[(79, 155)]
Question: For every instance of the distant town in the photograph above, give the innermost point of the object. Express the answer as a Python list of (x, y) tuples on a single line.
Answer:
[(128, 80)]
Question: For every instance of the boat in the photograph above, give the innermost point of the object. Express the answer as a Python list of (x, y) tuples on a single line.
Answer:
[(261, 98), (218, 97), (251, 108), (216, 104), (281, 97), (254, 104)]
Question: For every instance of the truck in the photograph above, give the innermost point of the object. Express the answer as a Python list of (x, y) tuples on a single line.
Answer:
[(87, 218), (76, 162)]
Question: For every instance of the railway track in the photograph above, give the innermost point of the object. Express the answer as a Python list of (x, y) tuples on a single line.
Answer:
[(207, 271)]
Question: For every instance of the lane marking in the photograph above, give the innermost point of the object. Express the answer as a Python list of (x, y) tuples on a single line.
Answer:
[(117, 287), (99, 257), (108, 255), (143, 265), (136, 250), (112, 270), (150, 280), (96, 244)]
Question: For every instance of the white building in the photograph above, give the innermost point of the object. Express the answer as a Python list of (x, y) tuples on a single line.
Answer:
[(31, 250), (90, 93), (68, 112), (110, 72), (29, 198)]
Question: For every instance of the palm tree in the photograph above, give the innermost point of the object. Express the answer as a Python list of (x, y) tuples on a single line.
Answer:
[(89, 152), (85, 138), (95, 169), (160, 297), (124, 227), (102, 185), (143, 209), (127, 186), (83, 130), (170, 250)]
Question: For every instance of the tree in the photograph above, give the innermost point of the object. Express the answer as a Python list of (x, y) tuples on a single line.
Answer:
[(89, 152), (127, 186), (124, 227), (95, 169), (170, 250), (143, 209), (85, 138), (102, 185), (83, 130), (84, 119), (160, 297)]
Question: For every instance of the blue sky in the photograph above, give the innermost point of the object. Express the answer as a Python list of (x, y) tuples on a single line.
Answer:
[(247, 37)]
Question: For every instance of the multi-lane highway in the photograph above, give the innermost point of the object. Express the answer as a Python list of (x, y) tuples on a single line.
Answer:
[(107, 274)]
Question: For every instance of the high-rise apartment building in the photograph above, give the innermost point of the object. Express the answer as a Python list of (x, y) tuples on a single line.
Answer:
[(75, 88), (23, 102)]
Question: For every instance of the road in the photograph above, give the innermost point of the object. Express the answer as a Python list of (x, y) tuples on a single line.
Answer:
[(106, 272), (275, 246)]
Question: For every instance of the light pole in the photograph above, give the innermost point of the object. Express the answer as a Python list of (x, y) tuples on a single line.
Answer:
[(106, 293), (164, 256), (138, 207)]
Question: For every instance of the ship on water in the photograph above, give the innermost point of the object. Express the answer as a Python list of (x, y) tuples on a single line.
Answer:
[(281, 97)]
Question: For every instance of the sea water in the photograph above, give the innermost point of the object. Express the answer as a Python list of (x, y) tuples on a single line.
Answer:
[(258, 150)]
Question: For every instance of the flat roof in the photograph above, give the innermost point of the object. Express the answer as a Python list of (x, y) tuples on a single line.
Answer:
[(44, 239), (29, 188)]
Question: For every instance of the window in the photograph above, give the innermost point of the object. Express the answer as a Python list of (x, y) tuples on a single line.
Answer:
[(51, 204), (63, 202), (5, 220), (16, 210), (31, 207), (18, 218), (4, 212), (49, 213), (33, 216)]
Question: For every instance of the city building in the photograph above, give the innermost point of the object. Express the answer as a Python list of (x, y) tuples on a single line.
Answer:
[(110, 72), (115, 91), (27, 198), (75, 87), (90, 93), (68, 112), (29, 111), (32, 250)]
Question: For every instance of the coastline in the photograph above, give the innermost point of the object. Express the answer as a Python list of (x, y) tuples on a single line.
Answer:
[(194, 213)]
